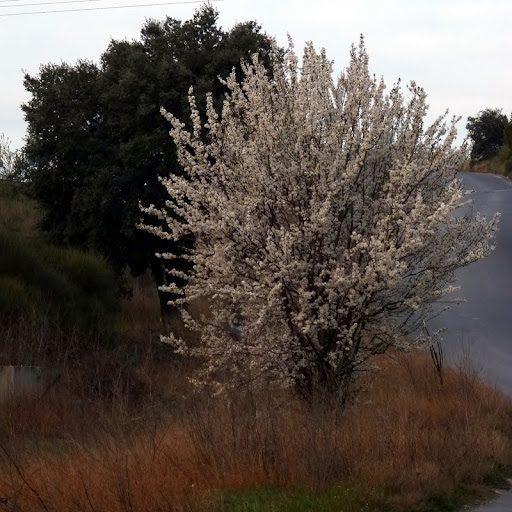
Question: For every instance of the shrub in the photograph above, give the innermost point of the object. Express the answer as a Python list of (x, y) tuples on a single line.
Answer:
[(16, 297), (323, 218), (74, 288)]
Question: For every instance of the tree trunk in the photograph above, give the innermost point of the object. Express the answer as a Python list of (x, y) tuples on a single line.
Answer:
[(322, 379), (169, 314)]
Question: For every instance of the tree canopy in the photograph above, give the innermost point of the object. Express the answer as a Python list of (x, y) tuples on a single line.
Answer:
[(486, 132), (323, 214), (99, 143)]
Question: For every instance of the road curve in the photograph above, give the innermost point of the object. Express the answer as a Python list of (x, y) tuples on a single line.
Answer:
[(481, 328)]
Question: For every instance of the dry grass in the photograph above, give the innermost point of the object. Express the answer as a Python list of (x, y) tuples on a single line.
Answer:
[(407, 437), (121, 431), (494, 165), (139, 319)]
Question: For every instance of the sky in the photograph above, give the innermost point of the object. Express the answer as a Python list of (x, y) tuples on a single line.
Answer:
[(457, 50)]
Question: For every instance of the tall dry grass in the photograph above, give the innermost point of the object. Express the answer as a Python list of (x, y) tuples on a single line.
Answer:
[(407, 436), (139, 319), (120, 430), (494, 165)]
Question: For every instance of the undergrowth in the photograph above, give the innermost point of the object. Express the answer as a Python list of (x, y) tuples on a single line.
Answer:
[(118, 428), (409, 442)]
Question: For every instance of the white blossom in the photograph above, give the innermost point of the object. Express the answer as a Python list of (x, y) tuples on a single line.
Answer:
[(323, 218)]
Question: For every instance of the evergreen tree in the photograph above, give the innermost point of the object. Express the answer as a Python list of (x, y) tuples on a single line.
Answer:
[(98, 139)]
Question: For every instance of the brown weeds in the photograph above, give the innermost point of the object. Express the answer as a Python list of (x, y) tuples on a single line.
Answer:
[(406, 437)]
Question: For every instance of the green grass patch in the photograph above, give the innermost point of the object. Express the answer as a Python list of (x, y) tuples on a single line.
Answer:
[(342, 499), (75, 288), (18, 213), (11, 189), (299, 500), (446, 502)]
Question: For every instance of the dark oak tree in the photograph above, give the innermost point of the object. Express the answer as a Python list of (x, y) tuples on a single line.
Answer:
[(99, 142), (486, 132)]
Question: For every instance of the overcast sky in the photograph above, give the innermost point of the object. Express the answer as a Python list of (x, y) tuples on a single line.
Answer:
[(458, 50)]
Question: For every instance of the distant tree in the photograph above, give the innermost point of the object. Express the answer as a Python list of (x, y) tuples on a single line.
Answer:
[(100, 144), (486, 132), (507, 132), (505, 153), (323, 214), (12, 162)]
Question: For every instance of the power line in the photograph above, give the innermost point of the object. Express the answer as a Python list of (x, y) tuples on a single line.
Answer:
[(100, 8), (48, 3)]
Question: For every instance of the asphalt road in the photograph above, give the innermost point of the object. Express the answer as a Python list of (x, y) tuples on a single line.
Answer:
[(480, 330)]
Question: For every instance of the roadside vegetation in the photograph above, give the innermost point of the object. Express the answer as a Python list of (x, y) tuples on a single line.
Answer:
[(491, 134), (409, 442), (61, 292), (120, 428), (307, 233)]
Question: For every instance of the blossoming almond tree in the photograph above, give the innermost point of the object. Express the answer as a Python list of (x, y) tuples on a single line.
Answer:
[(323, 218)]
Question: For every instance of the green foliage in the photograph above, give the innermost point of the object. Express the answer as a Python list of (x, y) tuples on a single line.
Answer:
[(457, 498), (498, 477), (486, 130), (507, 133), (17, 297), (18, 214), (75, 289), (10, 190), (27, 263), (505, 154), (99, 142), (68, 287), (87, 271)]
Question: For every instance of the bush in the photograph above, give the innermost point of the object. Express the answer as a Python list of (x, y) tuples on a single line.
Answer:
[(18, 213), (74, 288), (322, 212), (409, 441), (16, 297)]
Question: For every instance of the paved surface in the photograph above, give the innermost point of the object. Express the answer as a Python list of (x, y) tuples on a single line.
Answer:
[(501, 504), (481, 328)]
